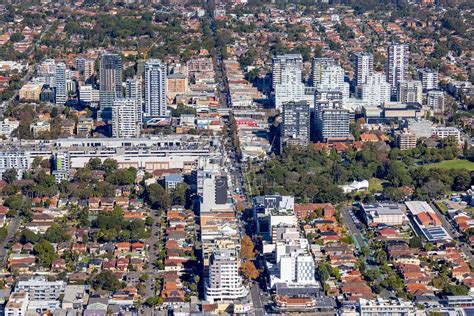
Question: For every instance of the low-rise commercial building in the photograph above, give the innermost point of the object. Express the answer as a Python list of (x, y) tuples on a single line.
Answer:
[(388, 214), (30, 92), (386, 307), (447, 131)]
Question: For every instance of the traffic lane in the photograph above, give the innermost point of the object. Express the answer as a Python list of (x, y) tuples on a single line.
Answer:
[(256, 299), (353, 230)]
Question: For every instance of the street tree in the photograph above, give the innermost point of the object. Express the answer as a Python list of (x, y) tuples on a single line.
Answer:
[(249, 271)]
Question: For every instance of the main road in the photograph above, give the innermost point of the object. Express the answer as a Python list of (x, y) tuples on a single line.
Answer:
[(31, 68), (12, 229)]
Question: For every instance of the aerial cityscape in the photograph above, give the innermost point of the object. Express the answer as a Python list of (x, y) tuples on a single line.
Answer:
[(237, 157)]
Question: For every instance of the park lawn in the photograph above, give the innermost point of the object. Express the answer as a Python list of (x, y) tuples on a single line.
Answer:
[(453, 164), (375, 185)]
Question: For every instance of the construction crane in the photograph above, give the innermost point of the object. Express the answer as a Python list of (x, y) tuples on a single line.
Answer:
[(148, 50)]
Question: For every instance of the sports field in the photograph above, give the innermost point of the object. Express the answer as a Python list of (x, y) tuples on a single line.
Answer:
[(453, 164)]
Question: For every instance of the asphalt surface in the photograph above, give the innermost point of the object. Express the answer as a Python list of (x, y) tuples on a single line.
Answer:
[(353, 230), (12, 229), (152, 271), (258, 305)]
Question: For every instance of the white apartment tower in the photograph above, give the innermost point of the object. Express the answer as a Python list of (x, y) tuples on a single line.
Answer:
[(134, 89), (61, 89), (126, 118), (285, 93), (155, 88), (429, 78), (17, 304), (332, 78), (287, 79), (287, 70), (318, 65), (297, 267), (397, 64), (331, 119), (224, 283), (410, 91), (363, 68), (375, 90), (435, 101), (62, 166)]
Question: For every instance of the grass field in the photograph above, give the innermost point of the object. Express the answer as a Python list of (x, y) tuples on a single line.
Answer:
[(375, 185), (453, 164)]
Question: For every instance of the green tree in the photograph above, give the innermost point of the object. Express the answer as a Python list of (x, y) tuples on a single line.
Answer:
[(462, 181), (27, 236), (45, 253), (10, 175), (454, 289), (3, 233), (179, 195), (55, 234), (16, 37), (106, 280), (380, 256), (415, 242), (157, 197), (153, 301)]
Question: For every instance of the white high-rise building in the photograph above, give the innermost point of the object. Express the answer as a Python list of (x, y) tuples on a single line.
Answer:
[(429, 78), (285, 93), (287, 79), (62, 166), (332, 78), (297, 267), (47, 68), (14, 160), (318, 65), (397, 64), (363, 67), (17, 304), (435, 101), (375, 90), (294, 262), (287, 69), (331, 118), (155, 88), (126, 118), (41, 289), (88, 94), (410, 91), (224, 283), (61, 89), (134, 89)]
